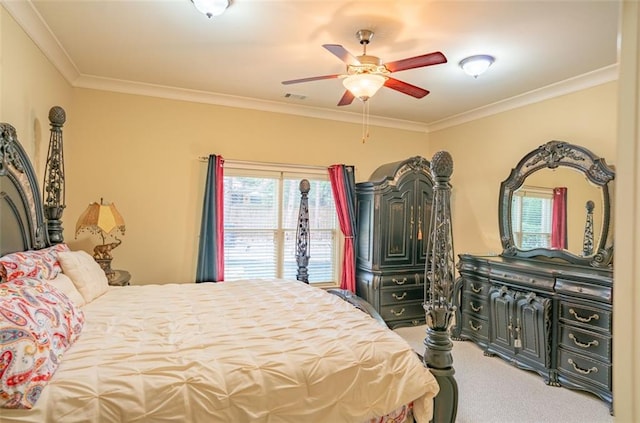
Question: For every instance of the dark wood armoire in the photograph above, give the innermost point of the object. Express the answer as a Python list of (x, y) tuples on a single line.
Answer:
[(394, 213)]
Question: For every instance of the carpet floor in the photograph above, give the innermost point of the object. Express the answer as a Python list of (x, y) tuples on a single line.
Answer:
[(493, 391)]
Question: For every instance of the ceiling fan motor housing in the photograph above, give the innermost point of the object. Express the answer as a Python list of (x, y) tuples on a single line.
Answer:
[(368, 64)]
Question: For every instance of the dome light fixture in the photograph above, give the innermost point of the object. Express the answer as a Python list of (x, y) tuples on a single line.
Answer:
[(211, 8), (364, 85), (476, 65)]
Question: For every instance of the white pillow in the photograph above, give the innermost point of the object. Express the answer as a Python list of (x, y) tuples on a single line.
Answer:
[(65, 284), (85, 272)]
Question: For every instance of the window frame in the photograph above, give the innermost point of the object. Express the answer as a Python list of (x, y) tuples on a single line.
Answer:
[(543, 193), (282, 172)]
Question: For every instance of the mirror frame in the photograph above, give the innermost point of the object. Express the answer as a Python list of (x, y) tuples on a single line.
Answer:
[(551, 155)]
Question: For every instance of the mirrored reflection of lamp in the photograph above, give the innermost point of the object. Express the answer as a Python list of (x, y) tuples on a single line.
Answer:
[(476, 65), (364, 85), (104, 220), (211, 8)]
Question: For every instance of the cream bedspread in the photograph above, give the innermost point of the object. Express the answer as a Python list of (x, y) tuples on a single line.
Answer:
[(246, 351)]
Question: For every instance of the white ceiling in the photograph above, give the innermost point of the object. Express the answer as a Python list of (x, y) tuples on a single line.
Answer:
[(167, 48)]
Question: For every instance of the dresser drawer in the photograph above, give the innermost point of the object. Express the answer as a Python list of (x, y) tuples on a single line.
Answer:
[(585, 342), (403, 312), (475, 327), (584, 289), (466, 266), (401, 279), (577, 366), (402, 294), (585, 316), (523, 279), (476, 306), (476, 287)]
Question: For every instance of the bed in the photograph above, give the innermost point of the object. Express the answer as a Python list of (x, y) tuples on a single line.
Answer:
[(244, 351)]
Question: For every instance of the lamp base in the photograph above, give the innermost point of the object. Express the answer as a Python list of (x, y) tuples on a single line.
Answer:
[(105, 264)]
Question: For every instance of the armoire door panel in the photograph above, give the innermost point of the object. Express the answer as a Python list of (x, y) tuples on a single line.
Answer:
[(424, 201), (396, 237)]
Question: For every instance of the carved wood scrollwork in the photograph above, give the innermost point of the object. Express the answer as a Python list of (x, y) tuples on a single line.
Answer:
[(552, 155)]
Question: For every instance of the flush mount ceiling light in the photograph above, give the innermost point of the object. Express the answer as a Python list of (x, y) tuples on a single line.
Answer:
[(476, 65), (211, 8)]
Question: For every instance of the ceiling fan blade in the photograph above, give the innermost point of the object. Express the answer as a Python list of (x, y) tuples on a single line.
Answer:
[(312, 78), (429, 59), (405, 88), (342, 54), (346, 99)]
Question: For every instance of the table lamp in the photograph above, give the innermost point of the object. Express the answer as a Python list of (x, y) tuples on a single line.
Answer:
[(104, 220)]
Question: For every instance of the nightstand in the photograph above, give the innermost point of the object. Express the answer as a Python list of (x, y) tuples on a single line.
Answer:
[(120, 278)]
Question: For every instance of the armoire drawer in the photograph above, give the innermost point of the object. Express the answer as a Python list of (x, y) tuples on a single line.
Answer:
[(402, 294), (589, 317), (574, 365), (585, 342), (400, 280), (402, 311)]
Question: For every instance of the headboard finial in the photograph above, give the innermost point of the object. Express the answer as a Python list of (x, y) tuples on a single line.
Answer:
[(57, 116)]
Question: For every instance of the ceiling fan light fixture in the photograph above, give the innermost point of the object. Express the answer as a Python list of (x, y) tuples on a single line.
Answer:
[(364, 85), (476, 65), (211, 8)]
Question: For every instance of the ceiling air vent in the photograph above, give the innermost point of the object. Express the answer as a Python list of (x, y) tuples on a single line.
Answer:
[(295, 96)]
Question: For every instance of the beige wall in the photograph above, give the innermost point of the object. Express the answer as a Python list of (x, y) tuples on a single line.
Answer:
[(484, 152), (142, 154), (29, 87)]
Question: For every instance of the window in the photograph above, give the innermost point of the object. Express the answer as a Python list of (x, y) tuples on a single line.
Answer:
[(261, 206), (531, 211)]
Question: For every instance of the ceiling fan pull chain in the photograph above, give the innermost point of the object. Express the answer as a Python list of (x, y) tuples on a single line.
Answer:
[(365, 120)]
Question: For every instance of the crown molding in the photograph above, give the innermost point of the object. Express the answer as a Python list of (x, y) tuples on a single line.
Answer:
[(568, 86), (152, 90), (32, 23)]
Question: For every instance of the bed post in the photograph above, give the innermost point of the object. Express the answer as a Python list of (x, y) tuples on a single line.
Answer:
[(439, 281), (53, 186), (302, 233)]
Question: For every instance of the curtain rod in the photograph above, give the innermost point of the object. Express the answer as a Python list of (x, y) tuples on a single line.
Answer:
[(240, 164)]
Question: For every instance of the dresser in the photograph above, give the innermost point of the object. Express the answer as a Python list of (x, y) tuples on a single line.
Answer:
[(547, 317), (393, 215), (543, 309)]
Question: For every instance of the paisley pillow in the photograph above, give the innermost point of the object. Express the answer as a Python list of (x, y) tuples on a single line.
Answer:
[(38, 323), (41, 264)]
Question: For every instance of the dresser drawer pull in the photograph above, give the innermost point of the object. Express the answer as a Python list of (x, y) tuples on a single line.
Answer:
[(476, 290), (581, 370), (399, 297), (584, 319), (397, 282), (397, 313), (474, 308), (473, 327), (589, 344)]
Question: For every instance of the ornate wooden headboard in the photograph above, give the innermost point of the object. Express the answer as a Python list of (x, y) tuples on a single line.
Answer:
[(22, 223)]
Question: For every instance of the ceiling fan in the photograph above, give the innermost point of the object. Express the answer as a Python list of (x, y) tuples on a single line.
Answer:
[(366, 74)]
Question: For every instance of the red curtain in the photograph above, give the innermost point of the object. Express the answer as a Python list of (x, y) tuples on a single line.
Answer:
[(559, 218), (343, 188)]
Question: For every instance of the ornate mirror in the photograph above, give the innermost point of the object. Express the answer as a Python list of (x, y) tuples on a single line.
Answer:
[(557, 203)]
